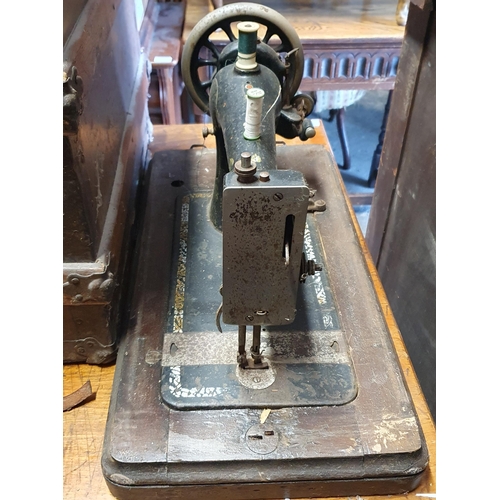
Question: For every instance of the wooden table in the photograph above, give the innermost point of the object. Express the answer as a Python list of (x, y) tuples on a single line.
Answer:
[(352, 44), (84, 425)]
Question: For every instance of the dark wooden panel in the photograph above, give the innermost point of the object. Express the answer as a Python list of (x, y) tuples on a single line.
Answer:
[(396, 130), (402, 229), (77, 245), (104, 47), (71, 12)]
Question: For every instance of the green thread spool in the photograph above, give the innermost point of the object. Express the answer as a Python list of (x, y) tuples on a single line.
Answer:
[(247, 45)]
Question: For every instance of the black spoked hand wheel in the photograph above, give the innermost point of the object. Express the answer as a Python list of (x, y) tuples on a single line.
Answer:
[(199, 44)]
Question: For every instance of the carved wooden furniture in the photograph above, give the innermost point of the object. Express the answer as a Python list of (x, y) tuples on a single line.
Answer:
[(336, 102), (347, 45)]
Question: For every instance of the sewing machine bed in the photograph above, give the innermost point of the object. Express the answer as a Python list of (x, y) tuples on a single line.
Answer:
[(309, 362), (185, 421)]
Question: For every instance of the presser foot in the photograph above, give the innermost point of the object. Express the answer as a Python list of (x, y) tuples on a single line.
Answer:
[(253, 363), (242, 360)]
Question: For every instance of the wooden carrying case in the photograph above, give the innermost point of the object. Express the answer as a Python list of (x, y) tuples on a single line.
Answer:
[(106, 132)]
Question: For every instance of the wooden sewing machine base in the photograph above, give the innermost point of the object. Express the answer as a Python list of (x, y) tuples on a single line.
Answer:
[(184, 422)]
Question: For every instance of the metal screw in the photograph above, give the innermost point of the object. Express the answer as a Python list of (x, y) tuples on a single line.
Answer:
[(278, 196), (75, 281), (264, 176), (205, 131), (78, 297), (249, 318), (310, 132)]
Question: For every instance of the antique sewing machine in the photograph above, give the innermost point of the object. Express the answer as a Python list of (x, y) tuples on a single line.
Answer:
[(256, 362)]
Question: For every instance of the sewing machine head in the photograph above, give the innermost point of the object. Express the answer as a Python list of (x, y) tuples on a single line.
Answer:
[(248, 88)]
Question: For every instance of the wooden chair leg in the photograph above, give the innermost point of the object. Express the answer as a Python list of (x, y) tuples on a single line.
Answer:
[(332, 113), (378, 150), (162, 84), (169, 95), (346, 165), (339, 115)]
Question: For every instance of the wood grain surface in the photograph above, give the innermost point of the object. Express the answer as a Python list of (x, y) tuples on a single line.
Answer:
[(83, 433), (326, 20), (83, 427)]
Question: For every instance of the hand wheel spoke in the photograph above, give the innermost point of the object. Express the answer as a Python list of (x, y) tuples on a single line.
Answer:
[(206, 62), (206, 84), (226, 27), (212, 48), (269, 33)]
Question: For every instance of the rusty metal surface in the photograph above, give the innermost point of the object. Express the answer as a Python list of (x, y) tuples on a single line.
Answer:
[(90, 282), (371, 445), (88, 333), (262, 290)]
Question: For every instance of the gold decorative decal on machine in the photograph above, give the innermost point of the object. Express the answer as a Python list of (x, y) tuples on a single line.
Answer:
[(180, 287)]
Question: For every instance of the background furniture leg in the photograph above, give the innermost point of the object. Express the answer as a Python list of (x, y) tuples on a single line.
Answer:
[(346, 165), (378, 150), (339, 116), (169, 94)]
